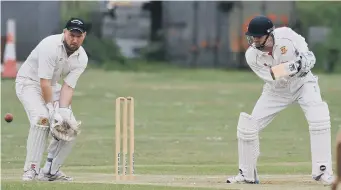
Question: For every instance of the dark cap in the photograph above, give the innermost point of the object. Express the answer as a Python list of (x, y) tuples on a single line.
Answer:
[(76, 24)]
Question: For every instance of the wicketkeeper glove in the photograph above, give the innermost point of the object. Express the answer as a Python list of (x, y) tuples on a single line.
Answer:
[(68, 128)]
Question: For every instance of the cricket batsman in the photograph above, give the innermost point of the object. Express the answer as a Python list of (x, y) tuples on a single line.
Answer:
[(281, 58), (48, 103)]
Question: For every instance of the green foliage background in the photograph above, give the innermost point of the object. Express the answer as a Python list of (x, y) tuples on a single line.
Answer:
[(327, 14), (104, 52)]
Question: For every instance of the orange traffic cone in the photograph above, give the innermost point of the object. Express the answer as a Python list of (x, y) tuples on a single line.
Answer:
[(10, 61)]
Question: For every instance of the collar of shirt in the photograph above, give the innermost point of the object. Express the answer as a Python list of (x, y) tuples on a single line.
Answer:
[(262, 53)]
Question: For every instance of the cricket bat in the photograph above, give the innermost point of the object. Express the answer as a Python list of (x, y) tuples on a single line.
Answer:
[(283, 70)]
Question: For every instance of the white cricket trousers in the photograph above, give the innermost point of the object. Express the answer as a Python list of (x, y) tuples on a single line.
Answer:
[(307, 94)]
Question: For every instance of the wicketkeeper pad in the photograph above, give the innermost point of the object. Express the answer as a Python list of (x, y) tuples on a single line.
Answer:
[(36, 143), (58, 150)]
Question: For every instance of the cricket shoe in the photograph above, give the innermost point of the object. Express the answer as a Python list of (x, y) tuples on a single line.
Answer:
[(240, 179), (59, 176), (325, 178), (29, 175)]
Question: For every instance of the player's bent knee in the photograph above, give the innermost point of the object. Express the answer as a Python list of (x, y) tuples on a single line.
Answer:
[(318, 116), (247, 129)]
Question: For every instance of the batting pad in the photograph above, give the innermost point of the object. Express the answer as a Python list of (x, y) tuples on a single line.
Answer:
[(248, 146), (36, 143), (320, 138), (60, 150)]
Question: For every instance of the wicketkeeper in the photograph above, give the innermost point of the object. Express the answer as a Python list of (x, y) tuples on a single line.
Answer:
[(47, 103)]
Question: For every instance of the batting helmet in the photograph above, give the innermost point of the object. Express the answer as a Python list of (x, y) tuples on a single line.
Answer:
[(259, 26)]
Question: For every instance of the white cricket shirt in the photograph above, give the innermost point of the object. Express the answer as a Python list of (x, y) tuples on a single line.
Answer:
[(49, 60)]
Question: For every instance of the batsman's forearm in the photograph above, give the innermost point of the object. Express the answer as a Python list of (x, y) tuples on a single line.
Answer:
[(46, 90), (66, 94)]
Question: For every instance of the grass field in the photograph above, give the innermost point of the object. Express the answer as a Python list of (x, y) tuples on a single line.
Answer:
[(185, 132)]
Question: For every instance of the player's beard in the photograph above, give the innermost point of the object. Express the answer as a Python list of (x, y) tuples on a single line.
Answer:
[(69, 50)]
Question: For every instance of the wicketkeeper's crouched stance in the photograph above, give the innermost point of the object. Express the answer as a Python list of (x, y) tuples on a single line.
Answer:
[(47, 103), (282, 59)]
